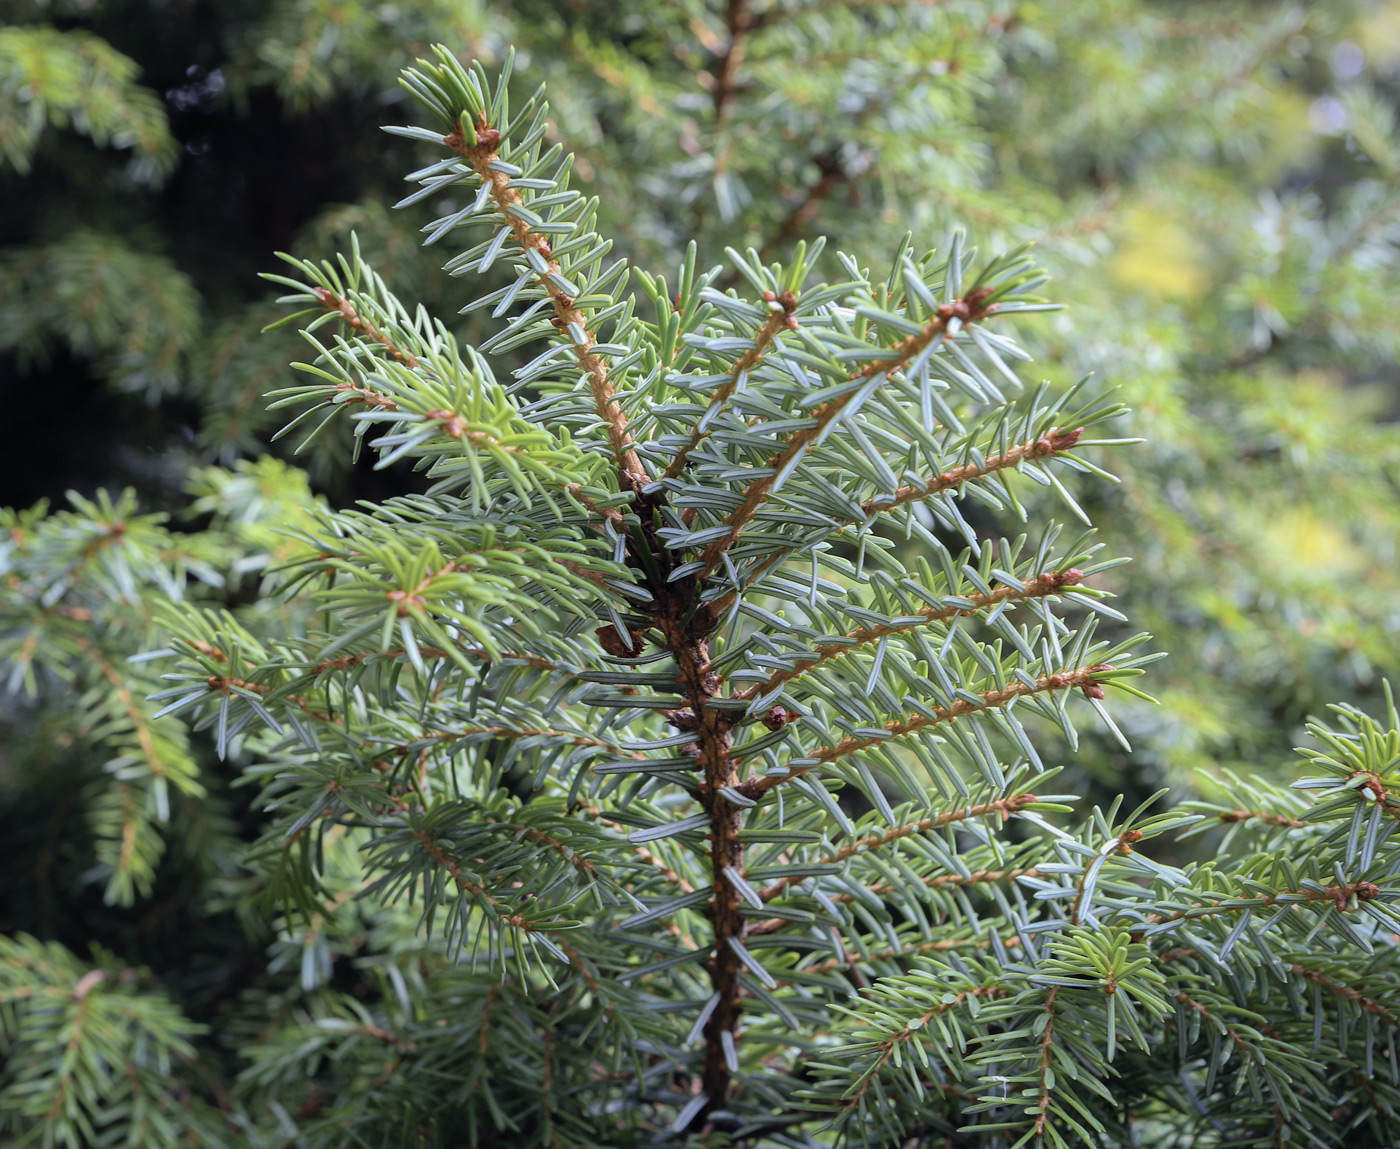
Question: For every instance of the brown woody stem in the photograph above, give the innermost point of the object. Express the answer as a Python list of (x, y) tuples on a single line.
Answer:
[(1043, 1065), (911, 1032), (941, 946), (595, 368), (1349, 993), (691, 650), (736, 20), (1263, 816), (1039, 587), (775, 322), (965, 310), (1048, 444), (346, 310), (1001, 807), (1051, 443), (959, 709)]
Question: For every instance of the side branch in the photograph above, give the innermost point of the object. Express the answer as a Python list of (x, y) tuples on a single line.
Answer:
[(912, 1031), (1346, 992), (658, 863), (524, 925), (1043, 1062), (885, 889), (966, 311), (139, 723), (994, 699), (575, 739), (1051, 443), (461, 881), (369, 397), (1047, 445), (1042, 586), (1001, 807), (508, 658), (346, 310), (1264, 817), (943, 945), (776, 321), (511, 204), (1347, 898)]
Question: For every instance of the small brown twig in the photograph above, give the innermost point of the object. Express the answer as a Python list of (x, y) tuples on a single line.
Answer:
[(1001, 808), (1047, 1040), (965, 311), (774, 323), (1050, 443), (992, 699), (567, 314), (346, 310), (736, 23), (1043, 585)]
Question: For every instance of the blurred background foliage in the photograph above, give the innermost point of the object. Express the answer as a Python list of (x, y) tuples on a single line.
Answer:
[(1215, 187)]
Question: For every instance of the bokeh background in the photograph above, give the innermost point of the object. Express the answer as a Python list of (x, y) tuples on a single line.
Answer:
[(1214, 187)]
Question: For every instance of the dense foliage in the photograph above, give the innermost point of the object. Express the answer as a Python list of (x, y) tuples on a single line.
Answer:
[(662, 753)]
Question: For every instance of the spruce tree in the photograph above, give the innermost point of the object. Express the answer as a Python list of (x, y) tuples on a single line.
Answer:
[(670, 766), (1210, 185)]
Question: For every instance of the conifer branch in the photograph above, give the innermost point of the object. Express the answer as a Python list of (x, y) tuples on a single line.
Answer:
[(942, 945), (964, 311), (570, 736), (992, 699), (1001, 808), (139, 725), (427, 653), (1122, 845), (906, 1006), (660, 864), (573, 857), (1045, 446), (1042, 586), (977, 877), (1266, 817), (1346, 992), (482, 156), (76, 1027), (736, 21), (131, 826), (434, 851), (1208, 1015), (1051, 443), (1346, 897), (775, 322), (912, 1031), (580, 963), (612, 514), (663, 867), (365, 395), (231, 684), (387, 1036), (331, 301), (933, 882)]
